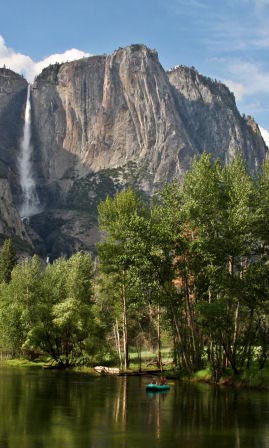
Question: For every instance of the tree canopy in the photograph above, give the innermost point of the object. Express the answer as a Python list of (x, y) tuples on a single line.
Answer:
[(192, 261)]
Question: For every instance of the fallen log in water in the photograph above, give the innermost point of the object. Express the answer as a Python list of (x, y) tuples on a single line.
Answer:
[(106, 370)]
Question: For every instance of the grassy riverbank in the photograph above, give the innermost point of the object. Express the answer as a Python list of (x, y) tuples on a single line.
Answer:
[(252, 378), (146, 361), (24, 363)]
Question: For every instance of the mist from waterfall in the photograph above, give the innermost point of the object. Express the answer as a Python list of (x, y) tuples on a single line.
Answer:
[(30, 202)]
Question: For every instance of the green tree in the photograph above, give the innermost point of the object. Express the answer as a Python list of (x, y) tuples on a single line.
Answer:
[(19, 300), (118, 252), (51, 310), (193, 209), (223, 259), (66, 328), (135, 255), (8, 260), (199, 253), (214, 222)]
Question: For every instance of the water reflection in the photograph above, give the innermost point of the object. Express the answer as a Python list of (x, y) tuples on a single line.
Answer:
[(53, 409)]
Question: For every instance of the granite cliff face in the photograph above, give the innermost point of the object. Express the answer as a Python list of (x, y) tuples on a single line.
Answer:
[(107, 121), (105, 112), (211, 117), (12, 102)]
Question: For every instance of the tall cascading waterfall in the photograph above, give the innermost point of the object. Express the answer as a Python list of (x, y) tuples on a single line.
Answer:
[(30, 202)]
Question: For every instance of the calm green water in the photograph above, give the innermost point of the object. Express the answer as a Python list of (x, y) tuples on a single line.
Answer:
[(40, 409)]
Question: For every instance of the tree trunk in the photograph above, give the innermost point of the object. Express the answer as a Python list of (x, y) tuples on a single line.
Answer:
[(117, 342), (185, 360), (191, 323), (230, 355), (125, 328), (159, 356)]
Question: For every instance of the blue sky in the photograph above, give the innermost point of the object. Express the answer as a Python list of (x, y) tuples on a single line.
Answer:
[(224, 39)]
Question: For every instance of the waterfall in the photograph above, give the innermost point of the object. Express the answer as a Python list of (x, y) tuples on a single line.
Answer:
[(30, 202)]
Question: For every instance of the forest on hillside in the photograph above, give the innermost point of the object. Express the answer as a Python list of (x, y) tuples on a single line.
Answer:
[(192, 263)]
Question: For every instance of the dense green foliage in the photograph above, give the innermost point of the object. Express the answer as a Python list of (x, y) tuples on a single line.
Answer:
[(8, 259), (200, 254), (191, 264), (51, 310)]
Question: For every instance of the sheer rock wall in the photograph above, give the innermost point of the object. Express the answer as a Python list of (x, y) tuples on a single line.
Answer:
[(104, 122)]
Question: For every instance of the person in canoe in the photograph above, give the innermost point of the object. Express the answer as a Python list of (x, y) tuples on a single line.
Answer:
[(158, 386)]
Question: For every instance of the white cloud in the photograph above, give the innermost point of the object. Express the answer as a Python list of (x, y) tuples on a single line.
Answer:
[(68, 55), (249, 81), (244, 26), (265, 135), (261, 43), (235, 87), (242, 77), (233, 36), (251, 75), (24, 65), (15, 61)]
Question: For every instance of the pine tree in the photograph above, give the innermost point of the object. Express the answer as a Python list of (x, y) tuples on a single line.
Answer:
[(8, 259)]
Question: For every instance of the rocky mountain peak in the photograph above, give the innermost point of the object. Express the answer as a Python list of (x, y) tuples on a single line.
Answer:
[(194, 85), (7, 76), (103, 122)]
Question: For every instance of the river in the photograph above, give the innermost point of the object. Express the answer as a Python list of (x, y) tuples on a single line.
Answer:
[(42, 409)]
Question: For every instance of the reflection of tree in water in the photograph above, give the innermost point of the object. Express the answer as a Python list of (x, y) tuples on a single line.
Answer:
[(48, 409), (205, 415), (20, 399), (60, 409), (56, 409)]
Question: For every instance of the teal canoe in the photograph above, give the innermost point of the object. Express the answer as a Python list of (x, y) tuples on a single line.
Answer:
[(157, 387)]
